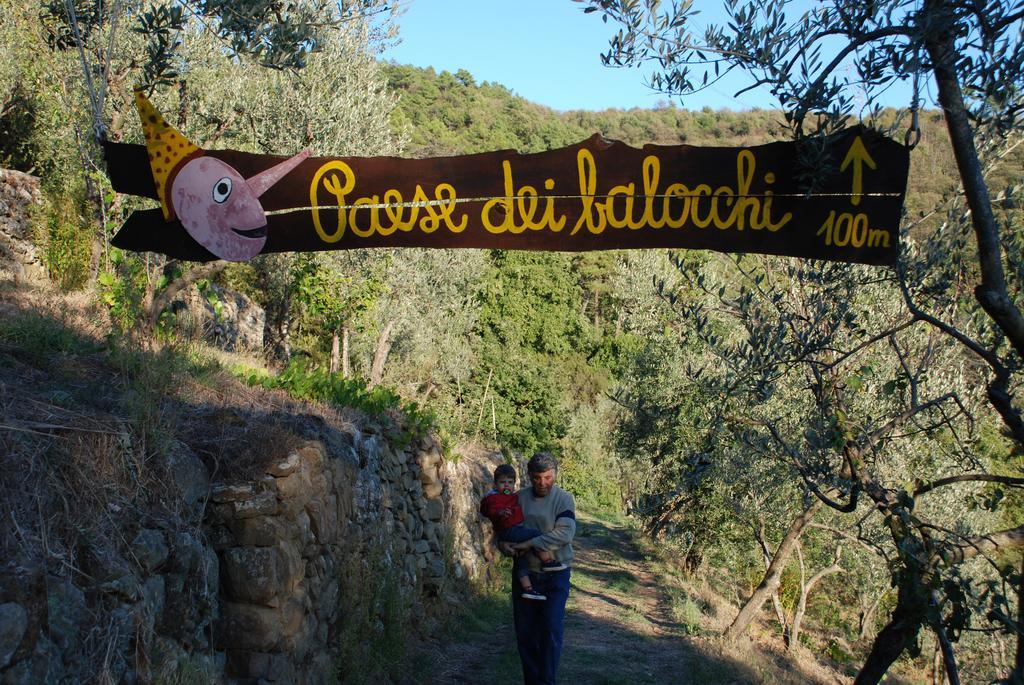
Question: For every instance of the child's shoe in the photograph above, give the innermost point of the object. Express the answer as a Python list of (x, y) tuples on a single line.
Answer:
[(552, 566), (534, 595)]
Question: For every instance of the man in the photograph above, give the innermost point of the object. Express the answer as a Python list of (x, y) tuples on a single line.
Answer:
[(540, 625)]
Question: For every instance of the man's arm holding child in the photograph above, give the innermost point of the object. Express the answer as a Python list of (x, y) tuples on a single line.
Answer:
[(564, 528)]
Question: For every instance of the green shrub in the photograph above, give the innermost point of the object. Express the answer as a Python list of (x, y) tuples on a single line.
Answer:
[(123, 290), (300, 379), (835, 651), (67, 243), (686, 613), (372, 640)]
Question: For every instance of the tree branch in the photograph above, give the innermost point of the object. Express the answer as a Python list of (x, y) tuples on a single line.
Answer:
[(967, 477), (853, 45), (163, 298), (957, 553)]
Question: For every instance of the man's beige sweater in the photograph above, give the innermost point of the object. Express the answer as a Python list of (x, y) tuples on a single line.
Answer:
[(555, 517)]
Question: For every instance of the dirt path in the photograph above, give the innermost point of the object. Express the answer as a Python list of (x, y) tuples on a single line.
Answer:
[(620, 628)]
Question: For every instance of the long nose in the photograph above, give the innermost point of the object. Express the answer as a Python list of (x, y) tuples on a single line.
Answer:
[(262, 181)]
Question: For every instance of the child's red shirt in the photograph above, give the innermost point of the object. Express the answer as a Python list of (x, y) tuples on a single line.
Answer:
[(495, 502)]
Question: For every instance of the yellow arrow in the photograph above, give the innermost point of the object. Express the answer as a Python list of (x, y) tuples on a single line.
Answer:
[(858, 154)]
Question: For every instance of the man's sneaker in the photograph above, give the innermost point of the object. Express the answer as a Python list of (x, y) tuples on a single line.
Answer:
[(534, 595), (552, 566)]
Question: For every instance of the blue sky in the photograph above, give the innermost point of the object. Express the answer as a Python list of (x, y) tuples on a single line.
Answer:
[(547, 51)]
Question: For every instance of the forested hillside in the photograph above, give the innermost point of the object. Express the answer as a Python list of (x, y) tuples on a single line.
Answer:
[(820, 444)]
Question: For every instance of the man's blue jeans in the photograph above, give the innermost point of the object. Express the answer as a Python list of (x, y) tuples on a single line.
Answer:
[(540, 626)]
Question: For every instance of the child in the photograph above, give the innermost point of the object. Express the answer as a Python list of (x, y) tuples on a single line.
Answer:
[(501, 506)]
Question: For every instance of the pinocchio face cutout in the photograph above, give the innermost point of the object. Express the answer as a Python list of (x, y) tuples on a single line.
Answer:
[(219, 209)]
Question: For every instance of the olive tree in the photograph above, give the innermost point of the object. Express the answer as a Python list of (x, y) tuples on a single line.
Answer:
[(821, 64)]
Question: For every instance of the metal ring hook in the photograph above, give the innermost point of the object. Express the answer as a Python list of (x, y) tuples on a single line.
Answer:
[(913, 135)]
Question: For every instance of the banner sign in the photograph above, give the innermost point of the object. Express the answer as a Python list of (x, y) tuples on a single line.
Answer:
[(596, 195)]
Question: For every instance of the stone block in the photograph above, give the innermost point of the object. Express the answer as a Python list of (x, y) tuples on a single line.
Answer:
[(150, 549), (303, 532), (249, 627), (220, 537), (294, 491), (293, 569), (292, 619), (429, 475), (261, 504), (44, 666), (319, 483), (432, 491), (126, 587), (436, 548), (434, 509), (323, 519), (251, 573), (327, 601), (435, 568), (189, 474), (259, 531), (223, 492), (66, 611), (13, 623), (286, 466), (312, 455), (260, 574), (103, 563), (391, 458), (261, 667), (154, 594)]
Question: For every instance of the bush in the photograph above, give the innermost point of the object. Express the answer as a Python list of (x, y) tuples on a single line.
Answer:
[(687, 614), (372, 640), (67, 245), (303, 381)]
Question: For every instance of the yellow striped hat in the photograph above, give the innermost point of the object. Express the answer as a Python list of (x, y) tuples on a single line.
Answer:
[(168, 150)]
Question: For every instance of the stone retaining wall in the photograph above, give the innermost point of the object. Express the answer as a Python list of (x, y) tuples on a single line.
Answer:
[(255, 593), (19, 192), (285, 540)]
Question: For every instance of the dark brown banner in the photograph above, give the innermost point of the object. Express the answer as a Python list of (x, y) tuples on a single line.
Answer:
[(596, 195)]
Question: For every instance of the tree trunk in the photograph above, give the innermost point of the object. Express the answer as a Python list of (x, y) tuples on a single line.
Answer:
[(380, 354), (902, 629), (335, 351), (867, 613), (773, 576), (991, 293), (948, 658), (766, 556), (159, 301), (1017, 677), (483, 402), (938, 674), (346, 368), (805, 592)]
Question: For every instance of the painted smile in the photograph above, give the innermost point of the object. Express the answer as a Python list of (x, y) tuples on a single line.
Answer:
[(252, 233)]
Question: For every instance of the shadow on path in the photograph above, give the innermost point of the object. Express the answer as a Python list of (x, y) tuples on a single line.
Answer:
[(617, 629)]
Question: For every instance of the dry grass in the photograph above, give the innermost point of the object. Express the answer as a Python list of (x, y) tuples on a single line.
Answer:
[(87, 425)]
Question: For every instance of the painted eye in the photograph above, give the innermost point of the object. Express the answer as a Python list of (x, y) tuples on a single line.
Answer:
[(222, 190)]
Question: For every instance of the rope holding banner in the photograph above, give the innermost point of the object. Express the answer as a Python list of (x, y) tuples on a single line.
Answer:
[(913, 134)]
